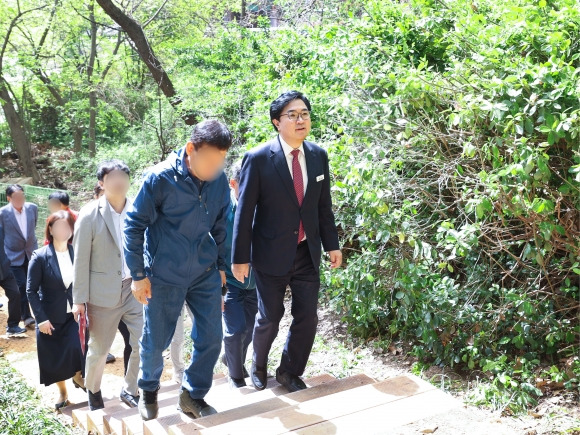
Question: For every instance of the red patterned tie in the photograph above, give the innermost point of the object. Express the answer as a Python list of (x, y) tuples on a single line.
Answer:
[(298, 187)]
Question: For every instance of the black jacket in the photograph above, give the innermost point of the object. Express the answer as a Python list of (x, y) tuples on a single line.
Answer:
[(268, 215), (46, 291)]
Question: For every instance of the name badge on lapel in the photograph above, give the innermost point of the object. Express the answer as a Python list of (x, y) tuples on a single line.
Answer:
[(320, 178)]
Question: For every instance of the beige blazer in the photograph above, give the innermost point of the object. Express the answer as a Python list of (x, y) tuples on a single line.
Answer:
[(97, 262)]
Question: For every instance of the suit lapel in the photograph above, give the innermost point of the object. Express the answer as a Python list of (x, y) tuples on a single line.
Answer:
[(29, 221), (281, 165), (12, 218), (312, 169), (52, 261), (105, 211)]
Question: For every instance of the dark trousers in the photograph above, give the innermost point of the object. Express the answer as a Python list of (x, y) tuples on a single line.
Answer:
[(127, 350), (12, 292), (21, 275), (240, 307), (304, 282)]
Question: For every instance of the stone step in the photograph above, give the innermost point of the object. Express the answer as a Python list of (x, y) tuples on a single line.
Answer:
[(241, 397), (228, 420), (400, 412), (168, 392), (321, 409)]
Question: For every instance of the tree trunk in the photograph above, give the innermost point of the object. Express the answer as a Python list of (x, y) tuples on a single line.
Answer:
[(146, 53), (93, 91), (18, 133)]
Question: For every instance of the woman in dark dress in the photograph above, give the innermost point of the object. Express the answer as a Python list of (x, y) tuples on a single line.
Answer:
[(49, 290)]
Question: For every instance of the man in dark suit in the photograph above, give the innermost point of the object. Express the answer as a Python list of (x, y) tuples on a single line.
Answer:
[(10, 286), (19, 220), (284, 214)]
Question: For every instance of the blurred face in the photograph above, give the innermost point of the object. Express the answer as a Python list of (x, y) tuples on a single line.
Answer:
[(55, 205), (116, 183), (291, 126), (61, 231), (206, 163), (235, 187), (17, 199)]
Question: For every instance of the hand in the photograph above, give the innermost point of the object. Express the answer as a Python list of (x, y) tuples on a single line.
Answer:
[(223, 275), (142, 290), (78, 311), (241, 271), (46, 327), (335, 259)]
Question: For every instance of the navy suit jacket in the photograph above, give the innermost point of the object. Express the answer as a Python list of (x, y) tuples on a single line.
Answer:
[(45, 289), (19, 246), (5, 271), (268, 215)]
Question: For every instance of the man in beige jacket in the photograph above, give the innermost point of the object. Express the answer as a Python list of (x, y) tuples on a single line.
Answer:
[(102, 281)]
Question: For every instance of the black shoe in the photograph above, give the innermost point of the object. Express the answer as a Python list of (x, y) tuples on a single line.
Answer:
[(14, 330), (259, 377), (29, 323), (291, 382), (77, 385), (110, 358), (1, 304), (59, 406), (148, 407), (95, 400), (196, 407), (128, 399), (237, 383)]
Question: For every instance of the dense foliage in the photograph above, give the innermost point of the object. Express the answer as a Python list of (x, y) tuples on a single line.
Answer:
[(453, 132)]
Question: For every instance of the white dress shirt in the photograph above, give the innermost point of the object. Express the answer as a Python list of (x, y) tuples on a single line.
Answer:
[(66, 267), (119, 222), (21, 219), (301, 159)]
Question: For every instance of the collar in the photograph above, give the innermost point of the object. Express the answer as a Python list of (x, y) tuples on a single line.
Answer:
[(288, 149), (113, 211), (16, 211)]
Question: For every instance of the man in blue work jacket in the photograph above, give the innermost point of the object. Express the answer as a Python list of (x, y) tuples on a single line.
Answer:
[(175, 248)]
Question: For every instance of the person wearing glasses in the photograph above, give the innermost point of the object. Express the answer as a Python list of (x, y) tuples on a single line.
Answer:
[(175, 247), (283, 216)]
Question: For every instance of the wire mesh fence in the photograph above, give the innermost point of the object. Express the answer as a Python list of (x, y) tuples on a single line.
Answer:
[(38, 196)]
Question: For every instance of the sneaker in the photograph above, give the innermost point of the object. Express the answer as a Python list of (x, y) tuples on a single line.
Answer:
[(110, 358), (14, 330), (148, 407), (196, 407), (128, 399)]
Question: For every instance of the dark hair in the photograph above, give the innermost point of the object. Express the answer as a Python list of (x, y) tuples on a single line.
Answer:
[(13, 188), (213, 133), (111, 165), (235, 170), (282, 101), (57, 216), (97, 191), (61, 197)]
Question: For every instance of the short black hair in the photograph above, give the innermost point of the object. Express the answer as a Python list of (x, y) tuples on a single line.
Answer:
[(282, 101), (111, 165), (235, 171), (13, 188), (61, 197), (213, 133)]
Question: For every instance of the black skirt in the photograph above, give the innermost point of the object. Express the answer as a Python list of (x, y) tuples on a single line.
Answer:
[(60, 355)]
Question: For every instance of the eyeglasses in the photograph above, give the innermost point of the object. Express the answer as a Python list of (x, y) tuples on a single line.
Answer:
[(293, 116)]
